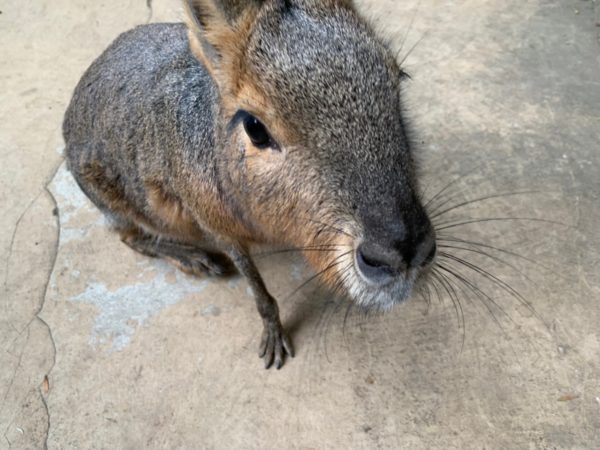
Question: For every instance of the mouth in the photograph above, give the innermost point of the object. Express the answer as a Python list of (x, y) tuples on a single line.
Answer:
[(388, 292), (375, 281)]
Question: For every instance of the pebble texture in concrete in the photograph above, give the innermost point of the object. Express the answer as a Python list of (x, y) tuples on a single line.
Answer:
[(104, 348)]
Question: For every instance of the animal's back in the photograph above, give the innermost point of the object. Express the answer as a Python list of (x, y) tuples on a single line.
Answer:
[(137, 114)]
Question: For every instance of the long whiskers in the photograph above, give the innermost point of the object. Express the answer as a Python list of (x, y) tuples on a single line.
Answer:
[(446, 279), (448, 225), (480, 294), (494, 279), (325, 248), (434, 213), (449, 288), (447, 238), (336, 261)]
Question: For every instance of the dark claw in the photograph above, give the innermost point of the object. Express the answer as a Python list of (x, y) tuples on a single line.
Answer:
[(274, 345), (262, 349), (278, 355), (287, 345), (269, 354)]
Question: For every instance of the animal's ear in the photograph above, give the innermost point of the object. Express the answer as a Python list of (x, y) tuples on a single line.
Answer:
[(214, 27)]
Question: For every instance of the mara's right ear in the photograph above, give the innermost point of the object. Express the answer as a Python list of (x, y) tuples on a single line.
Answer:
[(216, 29)]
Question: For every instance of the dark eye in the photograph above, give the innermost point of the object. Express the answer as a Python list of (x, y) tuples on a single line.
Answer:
[(257, 132)]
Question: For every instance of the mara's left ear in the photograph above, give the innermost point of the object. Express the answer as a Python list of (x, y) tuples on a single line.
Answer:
[(216, 30)]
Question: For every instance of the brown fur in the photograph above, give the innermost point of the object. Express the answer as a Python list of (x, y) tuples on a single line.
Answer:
[(106, 185), (227, 40), (167, 209)]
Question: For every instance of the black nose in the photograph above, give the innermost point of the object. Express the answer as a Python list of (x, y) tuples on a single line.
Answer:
[(381, 263), (377, 263)]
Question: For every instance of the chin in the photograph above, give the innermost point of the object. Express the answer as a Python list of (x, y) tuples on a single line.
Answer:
[(380, 298)]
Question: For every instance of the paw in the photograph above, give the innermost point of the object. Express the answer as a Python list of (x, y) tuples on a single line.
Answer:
[(274, 344)]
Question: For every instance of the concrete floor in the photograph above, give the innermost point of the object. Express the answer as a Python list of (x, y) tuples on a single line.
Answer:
[(103, 348)]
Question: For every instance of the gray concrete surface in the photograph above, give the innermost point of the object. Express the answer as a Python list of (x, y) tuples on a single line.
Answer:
[(103, 348)]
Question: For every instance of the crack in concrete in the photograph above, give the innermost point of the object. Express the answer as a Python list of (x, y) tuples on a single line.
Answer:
[(44, 290), (41, 307), (41, 392), (14, 375), (26, 328), (12, 243), (36, 314), (20, 332)]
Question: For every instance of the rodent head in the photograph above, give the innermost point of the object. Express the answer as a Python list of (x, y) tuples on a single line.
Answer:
[(313, 142)]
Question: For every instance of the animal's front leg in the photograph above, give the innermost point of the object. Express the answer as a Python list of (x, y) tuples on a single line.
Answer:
[(274, 342)]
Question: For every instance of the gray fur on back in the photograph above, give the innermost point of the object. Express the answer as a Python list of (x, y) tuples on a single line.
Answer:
[(145, 91)]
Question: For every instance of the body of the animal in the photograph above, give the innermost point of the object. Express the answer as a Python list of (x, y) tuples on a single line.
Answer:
[(258, 122)]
